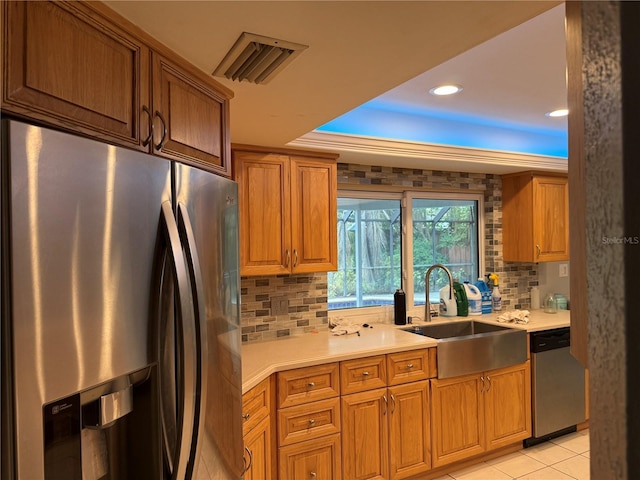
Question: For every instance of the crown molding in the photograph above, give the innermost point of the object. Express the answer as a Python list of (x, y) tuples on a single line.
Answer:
[(387, 152)]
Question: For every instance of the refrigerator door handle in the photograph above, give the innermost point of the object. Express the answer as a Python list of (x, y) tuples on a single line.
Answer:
[(187, 364), (200, 323)]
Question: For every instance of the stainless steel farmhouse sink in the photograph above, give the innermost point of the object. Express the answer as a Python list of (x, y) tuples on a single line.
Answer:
[(471, 346)]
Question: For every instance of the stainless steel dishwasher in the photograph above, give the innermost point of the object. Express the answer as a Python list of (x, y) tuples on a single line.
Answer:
[(558, 386)]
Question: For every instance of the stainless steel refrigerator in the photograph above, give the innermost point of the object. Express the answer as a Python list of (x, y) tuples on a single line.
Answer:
[(120, 313)]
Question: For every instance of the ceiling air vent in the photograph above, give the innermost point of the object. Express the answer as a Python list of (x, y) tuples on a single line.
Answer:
[(256, 58)]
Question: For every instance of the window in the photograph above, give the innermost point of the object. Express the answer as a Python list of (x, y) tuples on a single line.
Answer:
[(388, 241), (369, 253)]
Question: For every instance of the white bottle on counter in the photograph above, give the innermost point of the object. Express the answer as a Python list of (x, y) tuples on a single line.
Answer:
[(535, 298), (496, 299), (474, 298)]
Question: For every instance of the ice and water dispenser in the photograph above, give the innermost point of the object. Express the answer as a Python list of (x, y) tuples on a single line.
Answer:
[(103, 433)]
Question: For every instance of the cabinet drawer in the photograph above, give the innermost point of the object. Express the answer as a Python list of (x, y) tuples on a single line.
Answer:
[(319, 459), (363, 374), (307, 421), (255, 405), (304, 385), (409, 366)]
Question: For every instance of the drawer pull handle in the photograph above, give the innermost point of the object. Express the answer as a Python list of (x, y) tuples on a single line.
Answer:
[(247, 466), (365, 374), (312, 422), (311, 384), (312, 475), (410, 366), (246, 416)]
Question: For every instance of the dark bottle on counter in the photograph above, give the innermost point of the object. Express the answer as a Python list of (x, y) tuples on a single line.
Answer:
[(399, 308)]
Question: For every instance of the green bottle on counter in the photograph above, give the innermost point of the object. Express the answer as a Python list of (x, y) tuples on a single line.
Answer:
[(462, 303)]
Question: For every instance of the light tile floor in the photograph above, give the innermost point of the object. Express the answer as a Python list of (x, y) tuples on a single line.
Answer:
[(563, 458)]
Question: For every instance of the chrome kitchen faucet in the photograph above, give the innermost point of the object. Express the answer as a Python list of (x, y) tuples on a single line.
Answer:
[(427, 306)]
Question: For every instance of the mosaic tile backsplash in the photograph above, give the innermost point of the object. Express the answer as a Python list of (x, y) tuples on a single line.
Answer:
[(307, 294)]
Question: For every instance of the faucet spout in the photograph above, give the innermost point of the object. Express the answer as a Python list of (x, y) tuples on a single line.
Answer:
[(427, 306)]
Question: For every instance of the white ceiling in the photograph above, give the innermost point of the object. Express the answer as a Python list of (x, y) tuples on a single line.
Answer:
[(388, 53)]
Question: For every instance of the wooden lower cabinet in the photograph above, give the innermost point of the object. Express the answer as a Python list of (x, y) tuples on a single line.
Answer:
[(386, 432), (365, 435), (315, 459), (259, 431), (508, 406), (457, 419), (258, 452), (409, 429), (476, 413)]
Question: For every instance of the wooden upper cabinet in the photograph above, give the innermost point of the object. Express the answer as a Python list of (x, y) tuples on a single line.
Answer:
[(190, 119), (535, 217), (288, 211), (314, 212), (81, 67), (264, 209), (74, 69)]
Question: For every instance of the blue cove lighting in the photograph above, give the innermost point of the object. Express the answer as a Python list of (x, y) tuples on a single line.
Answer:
[(448, 129)]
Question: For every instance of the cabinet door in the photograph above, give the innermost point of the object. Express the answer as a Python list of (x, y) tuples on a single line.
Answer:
[(256, 405), (365, 451), (258, 452), (457, 419), (507, 405), (551, 218), (263, 196), (316, 459), (190, 118), (314, 215), (70, 67), (409, 431)]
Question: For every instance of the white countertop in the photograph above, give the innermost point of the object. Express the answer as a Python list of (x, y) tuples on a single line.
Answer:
[(261, 359)]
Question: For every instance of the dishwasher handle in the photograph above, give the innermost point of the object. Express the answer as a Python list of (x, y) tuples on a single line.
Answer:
[(550, 339)]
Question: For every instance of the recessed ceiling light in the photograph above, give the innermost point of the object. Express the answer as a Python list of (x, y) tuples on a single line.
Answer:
[(562, 112), (445, 90)]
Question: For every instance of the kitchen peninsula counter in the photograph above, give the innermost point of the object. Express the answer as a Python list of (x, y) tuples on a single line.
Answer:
[(261, 359)]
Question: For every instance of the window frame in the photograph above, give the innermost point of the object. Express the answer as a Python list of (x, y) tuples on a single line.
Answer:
[(406, 196)]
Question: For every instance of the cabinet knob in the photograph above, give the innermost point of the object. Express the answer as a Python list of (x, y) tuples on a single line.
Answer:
[(365, 374), (538, 249), (246, 416), (312, 475), (410, 366), (311, 384), (312, 422)]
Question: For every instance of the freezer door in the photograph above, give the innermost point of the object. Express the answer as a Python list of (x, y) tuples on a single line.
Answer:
[(207, 216), (83, 223)]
